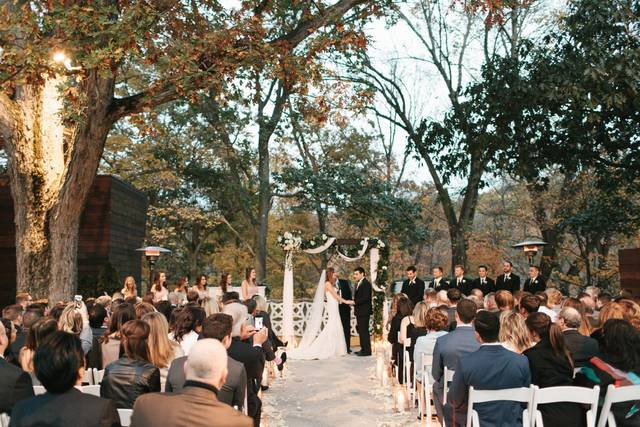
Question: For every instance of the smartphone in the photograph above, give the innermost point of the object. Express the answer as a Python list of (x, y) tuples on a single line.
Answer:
[(78, 300), (258, 323)]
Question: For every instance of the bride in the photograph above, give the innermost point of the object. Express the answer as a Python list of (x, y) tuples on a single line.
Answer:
[(330, 342)]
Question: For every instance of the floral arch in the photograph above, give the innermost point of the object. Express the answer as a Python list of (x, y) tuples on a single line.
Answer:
[(347, 249)]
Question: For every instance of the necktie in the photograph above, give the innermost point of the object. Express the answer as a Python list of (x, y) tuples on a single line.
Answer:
[(506, 277)]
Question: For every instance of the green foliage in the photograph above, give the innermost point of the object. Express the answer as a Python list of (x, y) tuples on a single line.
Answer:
[(108, 280)]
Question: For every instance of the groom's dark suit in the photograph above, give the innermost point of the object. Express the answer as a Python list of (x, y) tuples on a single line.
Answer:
[(363, 311), (345, 310)]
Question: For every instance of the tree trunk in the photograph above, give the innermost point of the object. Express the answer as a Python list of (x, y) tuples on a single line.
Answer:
[(458, 246), (264, 206)]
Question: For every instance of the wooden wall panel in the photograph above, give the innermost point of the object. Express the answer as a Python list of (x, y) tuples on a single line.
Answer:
[(630, 269)]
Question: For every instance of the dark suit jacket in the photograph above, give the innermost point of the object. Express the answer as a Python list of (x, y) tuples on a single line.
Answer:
[(415, 292), (489, 286), (448, 350), (491, 367), (362, 298), (232, 392), (512, 285), (538, 285), (345, 292), (15, 385), (253, 360), (443, 284), (196, 405), (465, 285), (582, 348), (70, 409), (550, 370)]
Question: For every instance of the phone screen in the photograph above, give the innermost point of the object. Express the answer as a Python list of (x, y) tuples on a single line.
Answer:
[(259, 323)]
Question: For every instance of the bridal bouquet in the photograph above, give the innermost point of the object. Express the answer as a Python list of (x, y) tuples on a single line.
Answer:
[(290, 241)]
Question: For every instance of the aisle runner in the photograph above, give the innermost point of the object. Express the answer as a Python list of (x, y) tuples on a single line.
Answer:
[(337, 392)]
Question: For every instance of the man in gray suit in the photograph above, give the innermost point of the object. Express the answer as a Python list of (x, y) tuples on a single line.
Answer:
[(451, 347), (217, 326), (582, 348)]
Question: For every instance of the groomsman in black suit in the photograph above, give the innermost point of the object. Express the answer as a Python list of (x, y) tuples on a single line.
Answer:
[(535, 282), (344, 290), (413, 286), (483, 282), (460, 282), (508, 281), (439, 283), (363, 310)]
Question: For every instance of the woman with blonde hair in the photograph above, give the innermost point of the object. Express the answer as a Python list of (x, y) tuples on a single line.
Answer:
[(417, 328), (631, 312), (75, 320), (504, 300), (129, 289), (611, 310), (514, 334), (162, 351)]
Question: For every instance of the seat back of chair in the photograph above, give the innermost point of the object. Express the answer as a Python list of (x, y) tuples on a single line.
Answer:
[(582, 395), (125, 416), (91, 389), (98, 374), (616, 395), (88, 377), (520, 394), (448, 377), (4, 420), (39, 389)]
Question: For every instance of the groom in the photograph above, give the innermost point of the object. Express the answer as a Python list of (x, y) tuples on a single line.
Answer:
[(363, 310)]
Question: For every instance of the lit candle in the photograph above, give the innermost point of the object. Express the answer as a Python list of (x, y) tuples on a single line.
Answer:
[(379, 367), (400, 399)]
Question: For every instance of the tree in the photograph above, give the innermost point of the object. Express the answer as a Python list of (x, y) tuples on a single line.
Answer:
[(55, 116)]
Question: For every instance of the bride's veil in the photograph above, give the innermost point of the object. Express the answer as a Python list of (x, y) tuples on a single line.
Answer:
[(315, 317)]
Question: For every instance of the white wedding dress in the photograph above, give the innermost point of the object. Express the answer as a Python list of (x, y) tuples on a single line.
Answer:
[(330, 341)]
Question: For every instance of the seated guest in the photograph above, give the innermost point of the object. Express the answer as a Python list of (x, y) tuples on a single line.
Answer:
[(188, 326), (261, 312), (436, 322), (618, 363), (14, 314), (10, 333), (417, 329), (197, 404), (59, 364), (246, 347), (404, 309), (230, 297), (490, 302), (551, 366), (143, 308), (631, 312), (193, 297), (15, 384), (554, 299), (528, 304), (37, 333), (176, 299), (107, 348), (442, 299), (23, 299), (582, 348), (451, 347), (544, 306), (217, 326), (514, 334), (162, 351), (133, 374), (431, 297), (491, 367), (504, 301), (97, 317), (585, 326), (454, 296), (75, 320)]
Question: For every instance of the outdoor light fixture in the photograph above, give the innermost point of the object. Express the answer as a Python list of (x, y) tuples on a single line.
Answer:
[(60, 57), (530, 248), (152, 253)]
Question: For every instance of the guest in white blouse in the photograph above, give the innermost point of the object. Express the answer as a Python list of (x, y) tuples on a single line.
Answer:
[(187, 328)]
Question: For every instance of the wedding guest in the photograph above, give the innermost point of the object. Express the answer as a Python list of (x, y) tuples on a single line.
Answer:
[(165, 308), (405, 308), (459, 281), (97, 317), (490, 367), (535, 282), (75, 319), (417, 328), (176, 299), (56, 311), (603, 299), (438, 283), (508, 280), (133, 374), (143, 308), (485, 283), (197, 404), (454, 296), (618, 363), (393, 309), (451, 347), (7, 354), (585, 326), (110, 343), (514, 334), (413, 286), (431, 297), (37, 333), (129, 289), (631, 312), (217, 326), (230, 298), (582, 348), (15, 384), (249, 286), (551, 366), (490, 302), (589, 303), (528, 304), (162, 351), (159, 287), (478, 300), (262, 312), (23, 299), (14, 314), (187, 327), (544, 306), (437, 323), (441, 298), (59, 363)]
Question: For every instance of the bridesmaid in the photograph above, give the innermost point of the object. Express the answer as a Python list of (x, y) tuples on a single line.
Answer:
[(159, 288), (223, 287), (201, 288), (129, 289), (249, 286)]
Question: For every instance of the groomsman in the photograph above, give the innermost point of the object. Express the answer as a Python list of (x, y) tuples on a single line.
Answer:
[(439, 283), (344, 290), (508, 281), (484, 283), (413, 286), (535, 282), (460, 282)]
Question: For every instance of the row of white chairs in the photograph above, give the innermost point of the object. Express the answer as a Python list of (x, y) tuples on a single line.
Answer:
[(124, 414), (93, 376)]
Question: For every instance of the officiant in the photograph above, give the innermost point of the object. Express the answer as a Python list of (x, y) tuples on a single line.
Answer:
[(413, 286), (346, 292)]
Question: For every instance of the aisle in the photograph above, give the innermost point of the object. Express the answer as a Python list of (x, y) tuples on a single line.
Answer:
[(337, 392)]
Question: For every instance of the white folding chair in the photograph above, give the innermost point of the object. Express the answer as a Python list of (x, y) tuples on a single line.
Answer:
[(426, 361), (245, 407), (125, 417), (583, 395), (39, 389), (88, 377), (522, 394), (406, 364), (91, 389), (448, 377), (397, 367), (98, 374), (616, 395), (4, 420)]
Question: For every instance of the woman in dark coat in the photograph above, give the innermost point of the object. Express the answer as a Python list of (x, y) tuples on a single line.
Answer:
[(404, 309), (551, 366)]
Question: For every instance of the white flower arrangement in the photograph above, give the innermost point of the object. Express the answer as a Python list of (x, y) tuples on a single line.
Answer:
[(290, 241)]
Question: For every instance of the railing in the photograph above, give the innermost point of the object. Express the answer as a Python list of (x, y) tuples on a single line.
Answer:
[(301, 312)]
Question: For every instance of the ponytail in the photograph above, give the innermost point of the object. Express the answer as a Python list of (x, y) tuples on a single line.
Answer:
[(541, 324)]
